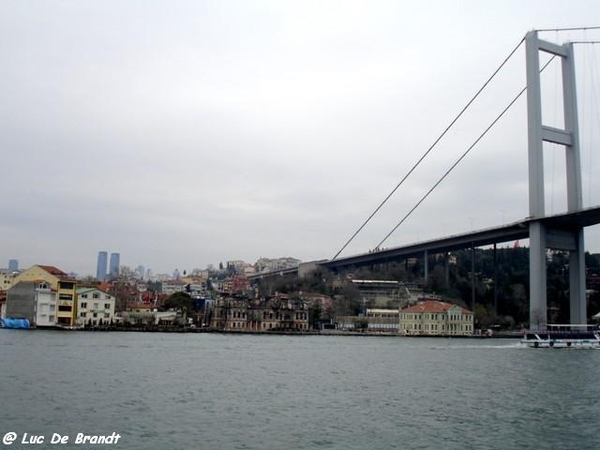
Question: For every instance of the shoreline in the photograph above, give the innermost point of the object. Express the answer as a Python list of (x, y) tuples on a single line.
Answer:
[(503, 335)]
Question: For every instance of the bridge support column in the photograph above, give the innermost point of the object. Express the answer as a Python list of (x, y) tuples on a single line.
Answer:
[(495, 279), (538, 304), (426, 266), (577, 296), (569, 138), (473, 277)]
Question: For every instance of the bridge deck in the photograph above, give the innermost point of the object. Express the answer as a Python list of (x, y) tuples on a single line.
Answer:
[(504, 233)]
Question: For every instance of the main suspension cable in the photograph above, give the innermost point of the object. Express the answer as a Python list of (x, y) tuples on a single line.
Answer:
[(430, 148), (460, 159)]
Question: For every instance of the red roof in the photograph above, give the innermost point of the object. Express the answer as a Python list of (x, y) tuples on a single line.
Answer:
[(433, 306)]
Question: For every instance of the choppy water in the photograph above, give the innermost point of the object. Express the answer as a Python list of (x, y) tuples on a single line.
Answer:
[(219, 391)]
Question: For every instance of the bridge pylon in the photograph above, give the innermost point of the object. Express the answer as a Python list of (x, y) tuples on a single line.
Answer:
[(541, 237)]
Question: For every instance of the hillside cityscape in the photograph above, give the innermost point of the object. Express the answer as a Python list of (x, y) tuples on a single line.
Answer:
[(285, 294)]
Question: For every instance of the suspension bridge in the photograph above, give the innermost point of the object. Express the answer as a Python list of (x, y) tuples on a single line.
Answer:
[(564, 231)]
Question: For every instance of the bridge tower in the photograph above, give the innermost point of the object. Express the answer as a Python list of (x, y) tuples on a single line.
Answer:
[(541, 236)]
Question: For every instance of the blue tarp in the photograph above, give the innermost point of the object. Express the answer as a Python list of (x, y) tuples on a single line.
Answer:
[(14, 323)]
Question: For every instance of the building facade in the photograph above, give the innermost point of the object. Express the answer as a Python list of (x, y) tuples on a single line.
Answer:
[(432, 317), (382, 320), (34, 301), (275, 314), (63, 284), (95, 307)]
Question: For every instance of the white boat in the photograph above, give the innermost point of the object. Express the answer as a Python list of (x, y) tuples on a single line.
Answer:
[(564, 336)]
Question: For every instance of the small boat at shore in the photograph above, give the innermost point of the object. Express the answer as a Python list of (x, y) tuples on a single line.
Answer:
[(563, 336)]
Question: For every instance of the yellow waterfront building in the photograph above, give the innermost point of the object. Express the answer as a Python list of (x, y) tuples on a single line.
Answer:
[(62, 283), (433, 317)]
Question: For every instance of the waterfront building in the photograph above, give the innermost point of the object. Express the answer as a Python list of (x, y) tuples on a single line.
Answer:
[(95, 307), (101, 266), (275, 314), (433, 317), (32, 300), (382, 320), (64, 286)]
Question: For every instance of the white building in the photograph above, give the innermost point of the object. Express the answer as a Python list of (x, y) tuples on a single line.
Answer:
[(94, 307), (45, 305)]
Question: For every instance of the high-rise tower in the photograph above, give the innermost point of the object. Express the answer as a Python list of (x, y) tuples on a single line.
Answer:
[(114, 264), (102, 266)]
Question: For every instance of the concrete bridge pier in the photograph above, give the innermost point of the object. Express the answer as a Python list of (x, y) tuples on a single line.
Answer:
[(540, 237)]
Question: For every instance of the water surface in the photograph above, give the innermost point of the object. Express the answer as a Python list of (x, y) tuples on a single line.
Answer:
[(230, 391)]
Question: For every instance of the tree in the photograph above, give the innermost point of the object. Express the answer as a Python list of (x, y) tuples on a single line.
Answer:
[(485, 317), (123, 288), (314, 314), (180, 301), (349, 303)]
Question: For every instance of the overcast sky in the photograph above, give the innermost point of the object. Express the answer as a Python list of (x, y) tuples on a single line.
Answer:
[(184, 133)]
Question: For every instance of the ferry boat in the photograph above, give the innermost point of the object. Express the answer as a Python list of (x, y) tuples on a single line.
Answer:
[(564, 336)]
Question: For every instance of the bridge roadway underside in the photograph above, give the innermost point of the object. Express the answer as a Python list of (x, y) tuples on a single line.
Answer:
[(558, 227)]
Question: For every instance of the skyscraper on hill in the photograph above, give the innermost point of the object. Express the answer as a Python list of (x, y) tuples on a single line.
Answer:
[(114, 264), (102, 266)]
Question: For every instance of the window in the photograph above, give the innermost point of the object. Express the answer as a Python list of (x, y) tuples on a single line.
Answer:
[(82, 314), (83, 295), (107, 306), (65, 285), (95, 295), (83, 305)]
